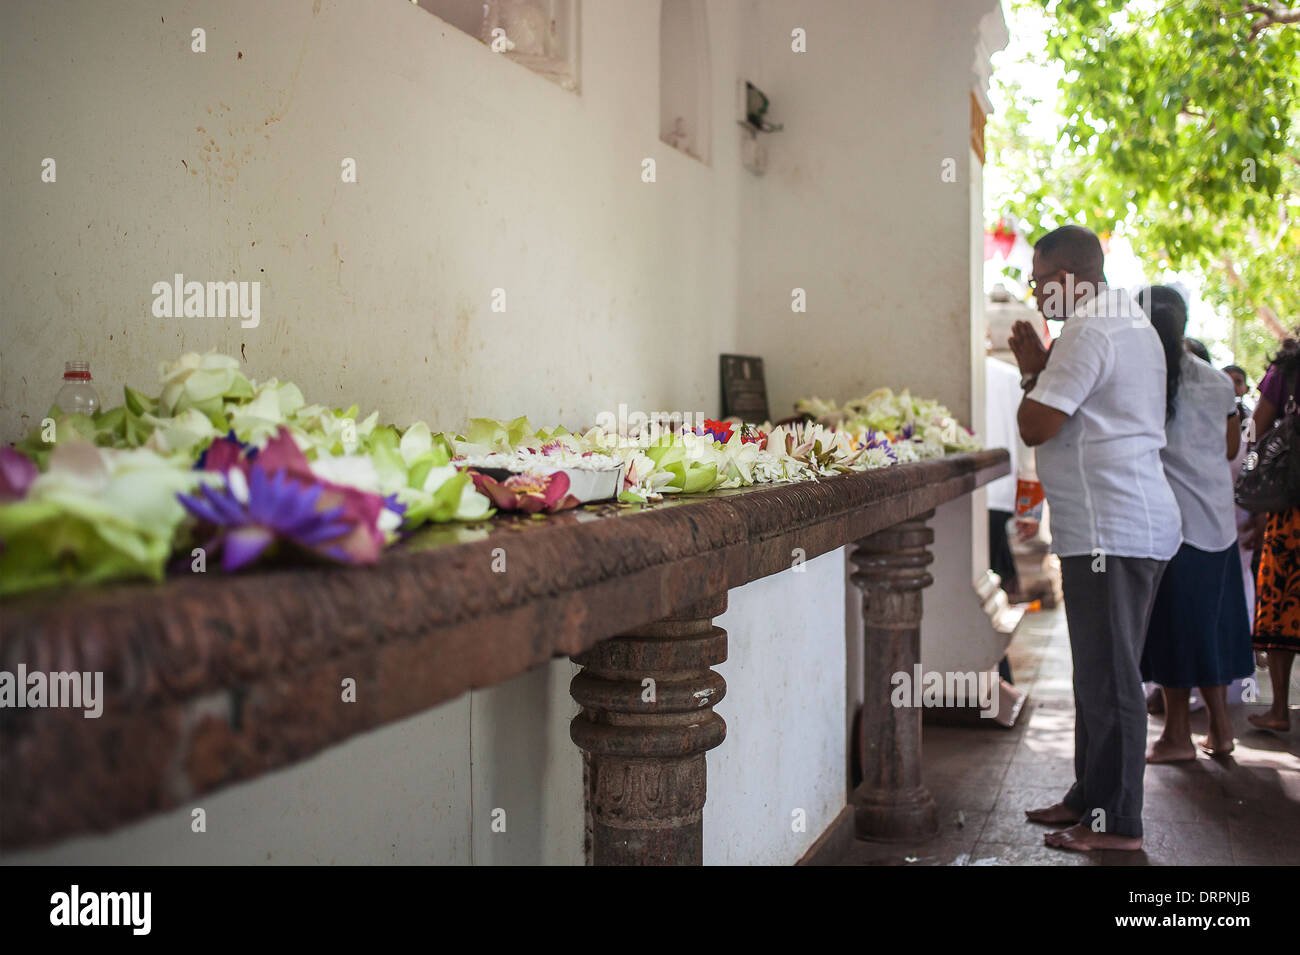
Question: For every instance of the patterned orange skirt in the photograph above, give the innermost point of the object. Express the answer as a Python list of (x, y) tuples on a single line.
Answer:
[(1277, 590)]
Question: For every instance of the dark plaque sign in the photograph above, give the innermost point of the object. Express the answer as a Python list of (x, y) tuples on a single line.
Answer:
[(744, 389)]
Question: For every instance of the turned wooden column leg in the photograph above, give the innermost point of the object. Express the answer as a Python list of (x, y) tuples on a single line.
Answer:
[(892, 803), (647, 719)]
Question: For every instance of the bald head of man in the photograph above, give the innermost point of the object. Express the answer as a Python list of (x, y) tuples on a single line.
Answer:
[(1070, 250)]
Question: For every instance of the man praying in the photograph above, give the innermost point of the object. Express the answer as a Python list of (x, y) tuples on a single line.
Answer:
[(1094, 406)]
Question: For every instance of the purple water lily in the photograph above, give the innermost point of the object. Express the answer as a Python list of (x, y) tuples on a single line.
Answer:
[(252, 515), (274, 494)]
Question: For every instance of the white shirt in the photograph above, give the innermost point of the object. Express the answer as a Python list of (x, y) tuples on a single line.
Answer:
[(1194, 455), (1102, 472), (1001, 398)]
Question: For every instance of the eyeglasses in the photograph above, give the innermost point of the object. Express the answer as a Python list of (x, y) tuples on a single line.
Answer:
[(1036, 281)]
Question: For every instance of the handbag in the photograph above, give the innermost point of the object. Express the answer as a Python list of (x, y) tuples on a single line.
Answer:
[(1270, 474)]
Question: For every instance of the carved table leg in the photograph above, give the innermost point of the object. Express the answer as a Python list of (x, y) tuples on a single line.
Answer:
[(892, 803), (647, 719)]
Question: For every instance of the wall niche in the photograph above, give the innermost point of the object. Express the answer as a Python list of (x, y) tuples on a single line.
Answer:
[(685, 82), (539, 34)]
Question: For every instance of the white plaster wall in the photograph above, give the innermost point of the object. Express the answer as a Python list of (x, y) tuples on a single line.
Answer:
[(956, 635), (852, 208), (525, 765), (474, 174), (784, 709)]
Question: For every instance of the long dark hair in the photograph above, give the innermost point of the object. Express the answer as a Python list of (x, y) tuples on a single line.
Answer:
[(1168, 314), (1287, 357)]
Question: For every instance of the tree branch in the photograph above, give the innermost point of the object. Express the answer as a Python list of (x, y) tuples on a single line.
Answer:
[(1266, 314), (1270, 15)]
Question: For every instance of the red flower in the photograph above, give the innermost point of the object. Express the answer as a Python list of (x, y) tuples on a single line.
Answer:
[(721, 430)]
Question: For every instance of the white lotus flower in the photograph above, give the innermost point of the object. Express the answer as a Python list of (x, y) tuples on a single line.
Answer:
[(416, 441), (194, 379), (180, 433), (349, 470)]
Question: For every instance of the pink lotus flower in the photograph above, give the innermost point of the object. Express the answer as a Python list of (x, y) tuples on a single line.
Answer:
[(17, 472), (530, 492), (226, 453)]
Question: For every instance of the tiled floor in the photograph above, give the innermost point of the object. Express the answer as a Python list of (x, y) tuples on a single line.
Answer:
[(1241, 810)]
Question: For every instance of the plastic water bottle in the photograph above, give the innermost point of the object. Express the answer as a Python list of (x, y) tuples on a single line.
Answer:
[(78, 395), (1029, 491)]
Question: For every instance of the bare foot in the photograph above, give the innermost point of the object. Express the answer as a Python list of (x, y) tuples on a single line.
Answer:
[(1213, 746), (1169, 751), (1269, 721), (1081, 838), (1057, 815)]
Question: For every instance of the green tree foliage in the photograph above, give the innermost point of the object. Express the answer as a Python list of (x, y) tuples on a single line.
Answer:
[(1178, 126)]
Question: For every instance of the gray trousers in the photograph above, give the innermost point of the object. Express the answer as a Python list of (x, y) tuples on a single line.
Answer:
[(1108, 612)]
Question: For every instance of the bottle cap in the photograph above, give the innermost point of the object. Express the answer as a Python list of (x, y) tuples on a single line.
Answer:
[(76, 370)]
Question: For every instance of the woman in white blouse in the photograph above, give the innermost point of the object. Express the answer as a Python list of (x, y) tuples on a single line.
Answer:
[(1199, 635)]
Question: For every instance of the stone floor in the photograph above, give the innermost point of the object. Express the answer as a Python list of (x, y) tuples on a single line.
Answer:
[(1241, 810)]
